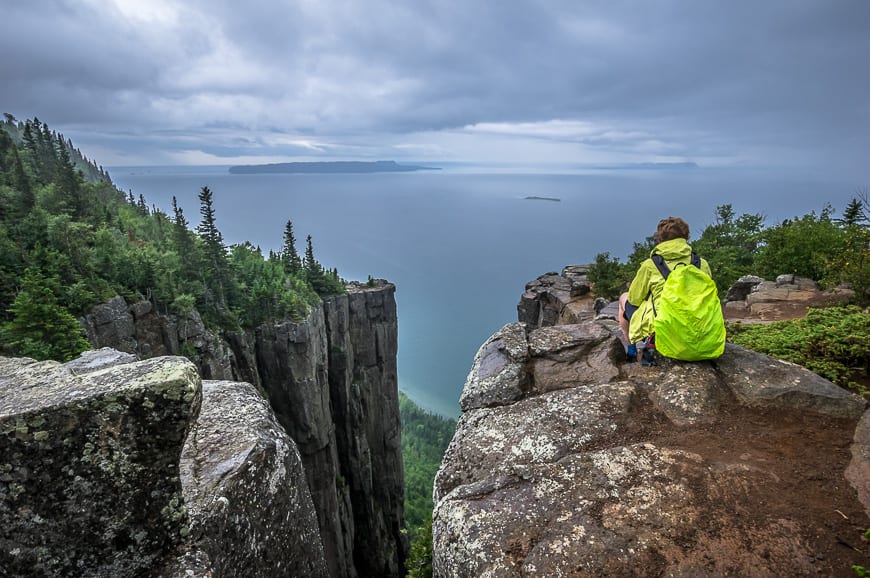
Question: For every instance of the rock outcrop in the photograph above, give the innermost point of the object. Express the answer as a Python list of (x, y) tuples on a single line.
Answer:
[(788, 297), (97, 478), (332, 382), (568, 461), (557, 299)]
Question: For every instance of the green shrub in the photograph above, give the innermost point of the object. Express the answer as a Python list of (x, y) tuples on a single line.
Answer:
[(833, 342)]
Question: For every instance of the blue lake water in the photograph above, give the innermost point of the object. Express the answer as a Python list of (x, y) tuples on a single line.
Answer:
[(460, 246)]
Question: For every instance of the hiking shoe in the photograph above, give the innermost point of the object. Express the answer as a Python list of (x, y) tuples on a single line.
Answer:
[(648, 358), (631, 353)]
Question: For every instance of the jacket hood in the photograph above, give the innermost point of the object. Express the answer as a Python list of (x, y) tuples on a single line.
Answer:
[(673, 250)]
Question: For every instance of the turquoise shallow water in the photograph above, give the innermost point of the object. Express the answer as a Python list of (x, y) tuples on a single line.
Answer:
[(459, 246)]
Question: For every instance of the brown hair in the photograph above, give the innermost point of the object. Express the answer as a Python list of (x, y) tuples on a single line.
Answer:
[(672, 228)]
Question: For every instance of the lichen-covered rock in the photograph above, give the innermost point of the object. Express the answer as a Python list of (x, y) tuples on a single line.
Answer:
[(250, 510), (541, 429), (682, 469), (89, 482), (759, 380), (570, 355), (498, 374), (858, 472), (638, 510)]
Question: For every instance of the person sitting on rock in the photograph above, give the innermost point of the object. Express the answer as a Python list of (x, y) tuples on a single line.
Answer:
[(636, 315)]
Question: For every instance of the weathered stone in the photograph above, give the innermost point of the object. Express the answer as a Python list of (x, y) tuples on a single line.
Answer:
[(334, 386), (505, 440), (622, 511), (111, 325), (570, 355), (90, 481), (99, 359), (676, 469), (742, 287), (362, 332), (688, 393), (858, 472), (759, 380), (249, 506), (498, 375), (140, 309), (754, 299)]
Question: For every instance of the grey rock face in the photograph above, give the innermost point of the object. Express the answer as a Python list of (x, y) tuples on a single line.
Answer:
[(250, 510), (554, 299), (292, 362), (332, 382), (858, 472), (111, 325), (362, 333), (498, 375), (89, 482), (757, 380), (595, 467), (788, 297)]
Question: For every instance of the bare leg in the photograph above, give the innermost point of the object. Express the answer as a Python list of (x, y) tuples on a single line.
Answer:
[(623, 322)]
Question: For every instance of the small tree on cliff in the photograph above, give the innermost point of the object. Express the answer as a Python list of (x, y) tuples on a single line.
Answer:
[(215, 265), (41, 328), (289, 256), (324, 282)]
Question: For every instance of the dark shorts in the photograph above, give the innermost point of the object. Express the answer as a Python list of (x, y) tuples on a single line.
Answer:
[(629, 310)]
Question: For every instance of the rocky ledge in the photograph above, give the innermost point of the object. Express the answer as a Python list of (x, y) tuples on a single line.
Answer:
[(117, 467), (568, 461)]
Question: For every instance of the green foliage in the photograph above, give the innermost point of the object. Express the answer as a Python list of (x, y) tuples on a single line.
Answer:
[(40, 327), (323, 281), (425, 437), (833, 342), (807, 246), (610, 277), (419, 562), (729, 245), (61, 217)]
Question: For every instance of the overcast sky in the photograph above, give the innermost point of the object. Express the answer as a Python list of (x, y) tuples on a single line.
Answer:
[(781, 84)]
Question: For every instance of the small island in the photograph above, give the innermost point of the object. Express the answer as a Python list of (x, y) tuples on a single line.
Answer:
[(330, 167), (536, 198)]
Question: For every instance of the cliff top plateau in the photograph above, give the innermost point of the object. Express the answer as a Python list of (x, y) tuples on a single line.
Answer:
[(568, 461)]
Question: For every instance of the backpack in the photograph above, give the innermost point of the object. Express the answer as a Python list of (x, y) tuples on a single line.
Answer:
[(688, 317)]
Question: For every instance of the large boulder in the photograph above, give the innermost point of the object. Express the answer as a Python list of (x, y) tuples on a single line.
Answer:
[(244, 487), (89, 482), (97, 479), (597, 467)]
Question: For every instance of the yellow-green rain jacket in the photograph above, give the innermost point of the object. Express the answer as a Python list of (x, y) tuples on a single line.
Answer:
[(649, 281)]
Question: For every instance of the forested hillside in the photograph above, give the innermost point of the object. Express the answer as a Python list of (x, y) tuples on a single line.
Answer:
[(69, 239), (425, 437)]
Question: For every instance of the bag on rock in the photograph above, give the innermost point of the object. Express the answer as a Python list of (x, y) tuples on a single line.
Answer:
[(688, 316)]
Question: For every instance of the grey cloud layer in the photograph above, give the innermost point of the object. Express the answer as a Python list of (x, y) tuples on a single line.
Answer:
[(710, 78)]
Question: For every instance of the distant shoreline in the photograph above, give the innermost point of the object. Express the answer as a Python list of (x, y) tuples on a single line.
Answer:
[(330, 167), (536, 198)]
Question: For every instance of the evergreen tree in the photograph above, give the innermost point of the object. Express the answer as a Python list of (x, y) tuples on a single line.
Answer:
[(40, 327), (215, 250), (142, 205), (855, 213), (289, 255)]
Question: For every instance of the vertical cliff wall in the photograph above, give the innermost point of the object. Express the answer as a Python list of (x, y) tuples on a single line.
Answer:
[(332, 383), (361, 328)]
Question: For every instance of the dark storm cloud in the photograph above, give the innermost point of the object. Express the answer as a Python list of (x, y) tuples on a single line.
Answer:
[(764, 82)]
